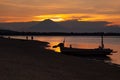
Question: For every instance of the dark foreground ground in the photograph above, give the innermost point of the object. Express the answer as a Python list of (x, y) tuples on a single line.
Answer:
[(29, 60)]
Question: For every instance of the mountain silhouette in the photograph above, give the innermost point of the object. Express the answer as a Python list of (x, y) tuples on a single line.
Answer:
[(47, 26), (6, 31), (87, 26), (64, 26)]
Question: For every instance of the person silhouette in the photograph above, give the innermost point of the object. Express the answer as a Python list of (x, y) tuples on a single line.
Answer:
[(26, 37), (9, 37), (70, 46), (31, 37)]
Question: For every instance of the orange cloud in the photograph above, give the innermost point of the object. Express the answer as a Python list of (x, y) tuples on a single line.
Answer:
[(60, 10), (80, 17), (114, 19), (15, 19)]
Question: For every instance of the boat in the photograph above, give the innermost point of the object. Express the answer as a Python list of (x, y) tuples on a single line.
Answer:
[(100, 51)]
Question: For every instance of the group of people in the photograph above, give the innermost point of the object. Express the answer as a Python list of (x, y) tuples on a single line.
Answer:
[(31, 37)]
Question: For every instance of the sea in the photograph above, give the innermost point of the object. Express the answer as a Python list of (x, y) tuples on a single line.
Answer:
[(112, 42)]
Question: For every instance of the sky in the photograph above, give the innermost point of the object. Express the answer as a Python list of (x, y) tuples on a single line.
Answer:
[(60, 10)]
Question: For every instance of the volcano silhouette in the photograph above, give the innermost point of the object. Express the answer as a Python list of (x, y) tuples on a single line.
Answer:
[(72, 26), (47, 26)]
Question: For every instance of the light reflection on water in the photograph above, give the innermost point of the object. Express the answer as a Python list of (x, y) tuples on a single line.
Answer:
[(83, 42), (55, 49)]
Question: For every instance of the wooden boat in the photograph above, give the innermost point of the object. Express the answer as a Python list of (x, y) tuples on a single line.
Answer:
[(100, 51)]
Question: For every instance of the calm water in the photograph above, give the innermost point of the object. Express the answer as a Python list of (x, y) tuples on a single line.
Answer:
[(83, 42)]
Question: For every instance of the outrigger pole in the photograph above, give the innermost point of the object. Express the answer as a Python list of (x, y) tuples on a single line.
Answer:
[(64, 41), (102, 43)]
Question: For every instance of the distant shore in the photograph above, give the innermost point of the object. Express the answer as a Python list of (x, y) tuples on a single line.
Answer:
[(30, 60), (14, 33)]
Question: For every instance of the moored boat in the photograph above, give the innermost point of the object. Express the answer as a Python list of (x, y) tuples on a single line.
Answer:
[(100, 51)]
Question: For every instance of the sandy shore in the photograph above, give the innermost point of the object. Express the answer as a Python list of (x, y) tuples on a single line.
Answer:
[(29, 60)]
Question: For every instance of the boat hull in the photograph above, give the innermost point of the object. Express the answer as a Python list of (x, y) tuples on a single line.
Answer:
[(96, 52)]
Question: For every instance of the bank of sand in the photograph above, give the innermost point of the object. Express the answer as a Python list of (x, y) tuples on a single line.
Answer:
[(29, 60)]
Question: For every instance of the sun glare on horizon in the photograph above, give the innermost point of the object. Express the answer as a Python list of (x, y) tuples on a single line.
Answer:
[(60, 10), (113, 19), (79, 17)]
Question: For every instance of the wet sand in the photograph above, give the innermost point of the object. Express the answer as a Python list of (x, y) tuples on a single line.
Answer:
[(29, 60)]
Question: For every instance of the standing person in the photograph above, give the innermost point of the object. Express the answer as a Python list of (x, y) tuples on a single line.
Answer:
[(70, 46), (8, 37), (31, 37), (26, 37)]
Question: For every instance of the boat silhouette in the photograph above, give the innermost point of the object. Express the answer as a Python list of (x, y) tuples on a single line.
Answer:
[(100, 51)]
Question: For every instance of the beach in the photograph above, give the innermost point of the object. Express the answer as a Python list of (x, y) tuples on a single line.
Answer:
[(30, 60)]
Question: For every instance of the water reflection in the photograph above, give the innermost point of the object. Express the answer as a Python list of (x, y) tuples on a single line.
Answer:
[(84, 42), (55, 49), (91, 42)]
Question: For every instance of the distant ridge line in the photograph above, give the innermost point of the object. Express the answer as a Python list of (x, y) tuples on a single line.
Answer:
[(12, 33)]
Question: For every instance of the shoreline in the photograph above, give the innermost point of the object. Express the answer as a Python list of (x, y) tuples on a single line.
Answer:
[(28, 59)]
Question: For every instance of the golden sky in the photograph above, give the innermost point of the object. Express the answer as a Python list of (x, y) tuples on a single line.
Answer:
[(60, 10)]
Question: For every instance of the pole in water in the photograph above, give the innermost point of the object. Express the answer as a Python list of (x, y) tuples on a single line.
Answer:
[(64, 40)]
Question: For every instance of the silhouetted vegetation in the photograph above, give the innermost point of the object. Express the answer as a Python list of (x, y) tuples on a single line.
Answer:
[(14, 33)]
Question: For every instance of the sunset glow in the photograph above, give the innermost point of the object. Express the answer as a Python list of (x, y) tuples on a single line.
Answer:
[(60, 10), (80, 17)]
